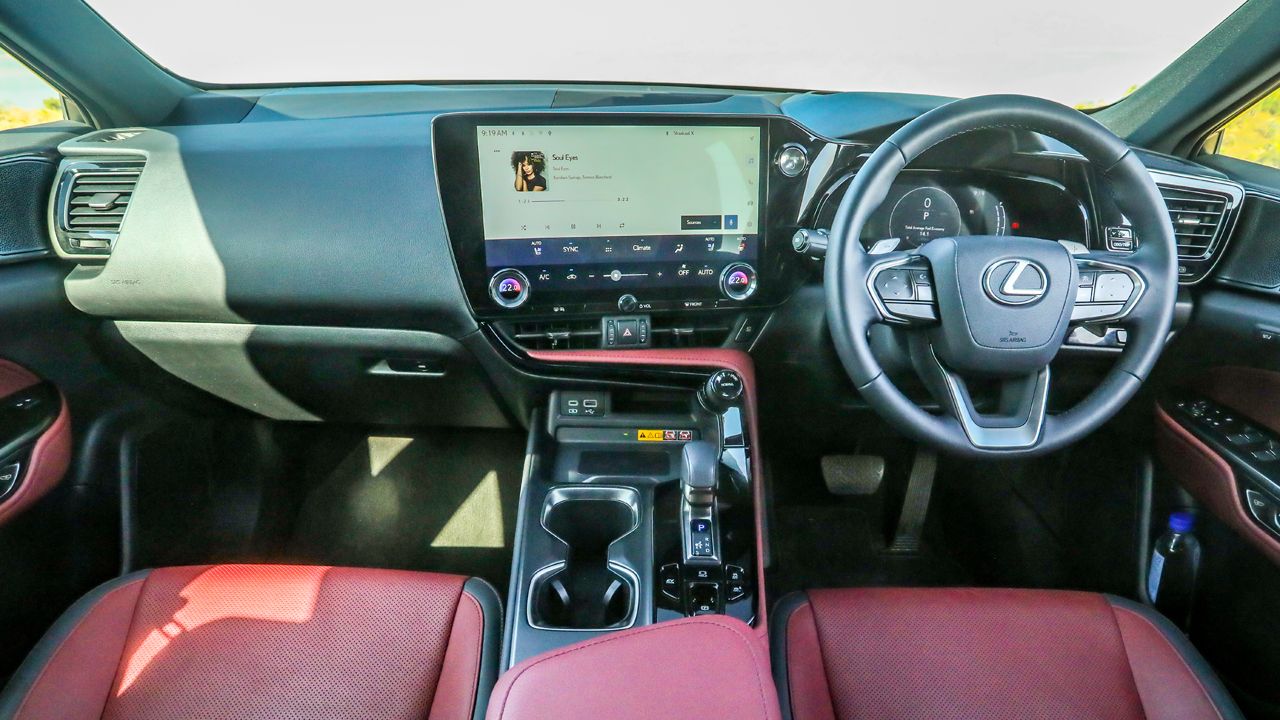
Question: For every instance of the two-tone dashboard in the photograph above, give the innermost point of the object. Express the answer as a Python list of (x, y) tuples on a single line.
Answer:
[(370, 226)]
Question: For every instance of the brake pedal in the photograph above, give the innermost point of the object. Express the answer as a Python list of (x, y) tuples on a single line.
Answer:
[(852, 474)]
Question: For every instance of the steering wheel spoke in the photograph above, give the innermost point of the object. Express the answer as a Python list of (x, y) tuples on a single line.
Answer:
[(1110, 288), (1017, 419), (901, 287)]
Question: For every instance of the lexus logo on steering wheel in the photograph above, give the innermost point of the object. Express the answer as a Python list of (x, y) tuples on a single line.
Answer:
[(1015, 281)]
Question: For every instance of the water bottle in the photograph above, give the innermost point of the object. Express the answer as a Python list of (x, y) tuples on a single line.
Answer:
[(1171, 579)]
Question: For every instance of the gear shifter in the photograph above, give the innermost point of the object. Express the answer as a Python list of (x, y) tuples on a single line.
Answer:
[(699, 473)]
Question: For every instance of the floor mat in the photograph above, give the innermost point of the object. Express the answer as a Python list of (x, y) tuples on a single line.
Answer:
[(836, 545), (444, 502)]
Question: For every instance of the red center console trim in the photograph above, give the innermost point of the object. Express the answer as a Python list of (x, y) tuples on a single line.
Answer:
[(708, 667), (1209, 478), (51, 455), (710, 358)]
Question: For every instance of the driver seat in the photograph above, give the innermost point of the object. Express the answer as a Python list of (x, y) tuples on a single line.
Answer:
[(985, 653)]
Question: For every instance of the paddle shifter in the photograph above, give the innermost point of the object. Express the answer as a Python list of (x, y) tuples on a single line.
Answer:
[(699, 473)]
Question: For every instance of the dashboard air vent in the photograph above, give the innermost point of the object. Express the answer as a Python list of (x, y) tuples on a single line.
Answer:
[(1202, 211), (556, 334), (91, 202), (585, 334), (1196, 217), (110, 136)]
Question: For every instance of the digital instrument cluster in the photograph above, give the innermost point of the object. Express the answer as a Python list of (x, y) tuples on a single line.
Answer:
[(925, 204)]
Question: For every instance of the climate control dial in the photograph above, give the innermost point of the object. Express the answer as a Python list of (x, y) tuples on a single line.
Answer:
[(509, 288), (738, 281)]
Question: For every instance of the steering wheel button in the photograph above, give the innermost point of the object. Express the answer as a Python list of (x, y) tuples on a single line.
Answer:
[(1113, 287), (894, 284), (1084, 294)]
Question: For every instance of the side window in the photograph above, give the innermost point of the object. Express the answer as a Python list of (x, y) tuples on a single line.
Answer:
[(25, 99), (1253, 135)]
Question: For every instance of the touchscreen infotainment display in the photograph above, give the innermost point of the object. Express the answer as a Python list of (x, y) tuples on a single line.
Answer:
[(622, 207)]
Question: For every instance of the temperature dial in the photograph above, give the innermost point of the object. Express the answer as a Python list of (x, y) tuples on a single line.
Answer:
[(509, 288), (738, 281)]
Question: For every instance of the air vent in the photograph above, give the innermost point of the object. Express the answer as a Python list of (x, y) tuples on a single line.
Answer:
[(1197, 219), (556, 334), (91, 202), (678, 331), (1202, 212), (667, 331), (110, 136)]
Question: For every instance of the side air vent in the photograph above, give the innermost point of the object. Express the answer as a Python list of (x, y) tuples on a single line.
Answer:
[(1202, 212), (666, 332), (90, 204), (1197, 219)]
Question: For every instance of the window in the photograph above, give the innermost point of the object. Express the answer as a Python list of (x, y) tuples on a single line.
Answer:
[(1253, 135), (25, 99), (1081, 53)]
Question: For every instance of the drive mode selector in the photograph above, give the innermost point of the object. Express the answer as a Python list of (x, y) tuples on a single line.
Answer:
[(509, 288), (738, 281)]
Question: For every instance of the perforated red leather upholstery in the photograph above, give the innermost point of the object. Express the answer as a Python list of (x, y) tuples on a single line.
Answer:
[(266, 641), (992, 654), (705, 668)]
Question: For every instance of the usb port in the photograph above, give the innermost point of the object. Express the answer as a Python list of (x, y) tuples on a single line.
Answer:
[(573, 403), (590, 403)]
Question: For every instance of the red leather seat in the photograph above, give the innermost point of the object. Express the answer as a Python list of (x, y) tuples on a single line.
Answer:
[(266, 641), (992, 654)]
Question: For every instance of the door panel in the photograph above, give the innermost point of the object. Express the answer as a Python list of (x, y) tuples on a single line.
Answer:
[(1217, 437), (57, 539)]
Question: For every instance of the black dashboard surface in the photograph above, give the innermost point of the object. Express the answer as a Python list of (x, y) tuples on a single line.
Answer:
[(340, 185)]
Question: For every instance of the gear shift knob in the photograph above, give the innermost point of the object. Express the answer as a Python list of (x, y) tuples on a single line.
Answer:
[(699, 472)]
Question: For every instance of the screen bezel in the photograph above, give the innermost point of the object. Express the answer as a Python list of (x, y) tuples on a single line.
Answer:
[(458, 178)]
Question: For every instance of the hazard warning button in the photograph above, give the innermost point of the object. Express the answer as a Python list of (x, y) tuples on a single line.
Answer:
[(626, 331)]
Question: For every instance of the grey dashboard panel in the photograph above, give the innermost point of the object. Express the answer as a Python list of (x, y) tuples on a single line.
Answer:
[(320, 222), (297, 373)]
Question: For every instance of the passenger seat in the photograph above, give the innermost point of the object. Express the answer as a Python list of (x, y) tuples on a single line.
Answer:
[(267, 641)]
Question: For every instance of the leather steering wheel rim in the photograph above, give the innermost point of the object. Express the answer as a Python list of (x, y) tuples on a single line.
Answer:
[(851, 310)]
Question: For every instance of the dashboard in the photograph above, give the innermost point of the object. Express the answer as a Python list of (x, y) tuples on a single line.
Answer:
[(356, 246), (543, 216), (604, 215)]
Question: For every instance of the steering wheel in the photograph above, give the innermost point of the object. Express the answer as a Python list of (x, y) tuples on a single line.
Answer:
[(995, 309)]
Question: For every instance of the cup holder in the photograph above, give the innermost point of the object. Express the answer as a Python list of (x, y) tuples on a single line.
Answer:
[(584, 590)]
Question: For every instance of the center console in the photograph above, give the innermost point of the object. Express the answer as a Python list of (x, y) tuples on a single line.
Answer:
[(637, 507)]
